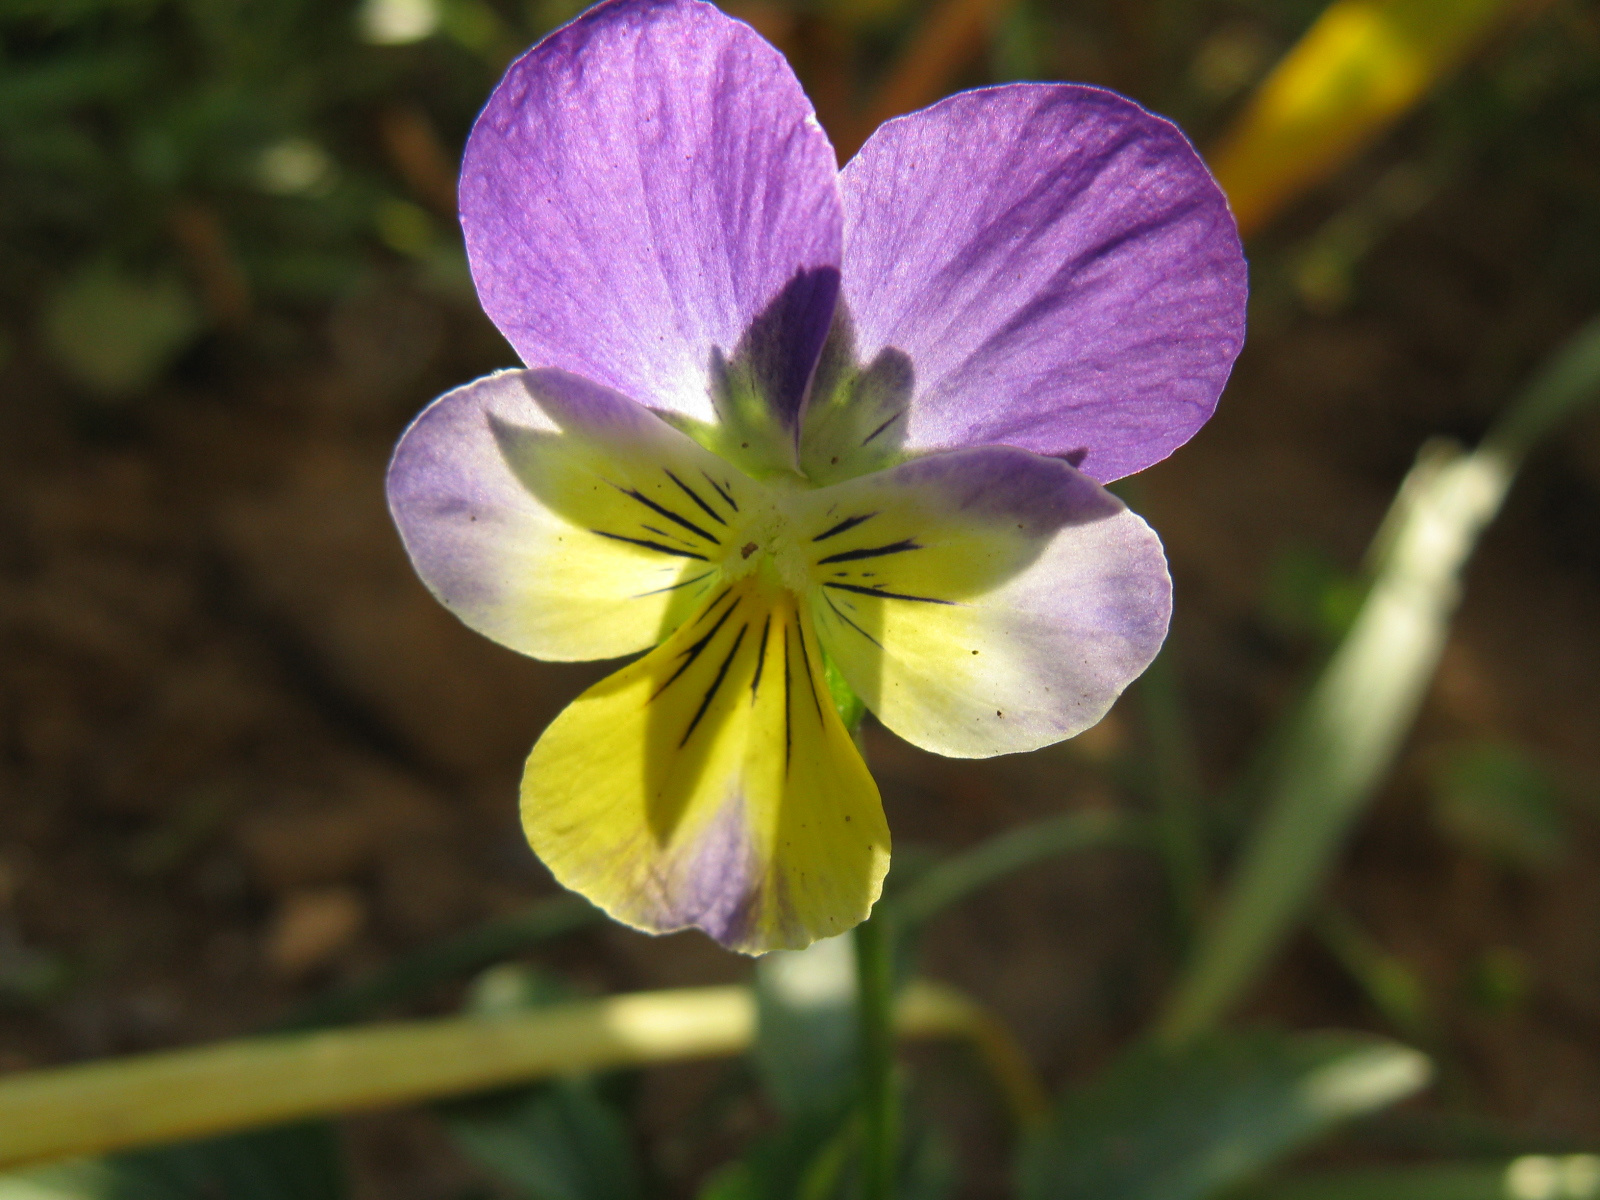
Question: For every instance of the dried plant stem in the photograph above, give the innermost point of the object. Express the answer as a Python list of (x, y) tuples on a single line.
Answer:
[(1360, 66), (148, 1099)]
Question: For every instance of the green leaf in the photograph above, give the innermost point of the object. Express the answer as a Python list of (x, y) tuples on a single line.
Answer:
[(806, 1158), (1392, 985), (813, 1158), (1183, 1123), (928, 1170), (1308, 594), (558, 1141), (960, 875), (115, 333), (1500, 801), (805, 1050), (735, 1181), (1341, 743), (207, 1090), (805, 1055), (291, 1162)]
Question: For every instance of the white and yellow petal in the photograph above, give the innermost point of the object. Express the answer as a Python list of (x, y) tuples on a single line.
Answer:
[(712, 785), (984, 601), (560, 518)]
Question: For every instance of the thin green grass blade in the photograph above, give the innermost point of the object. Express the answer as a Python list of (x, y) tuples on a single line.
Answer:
[(1179, 798), (446, 960), (1392, 985), (959, 876), (1344, 739), (1530, 1177)]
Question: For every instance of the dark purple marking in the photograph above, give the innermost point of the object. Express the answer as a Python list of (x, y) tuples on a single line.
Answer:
[(761, 658), (899, 547), (883, 595), (716, 684), (674, 587), (731, 503), (649, 545), (666, 512), (693, 652), (849, 622), (695, 496), (847, 523), (884, 426)]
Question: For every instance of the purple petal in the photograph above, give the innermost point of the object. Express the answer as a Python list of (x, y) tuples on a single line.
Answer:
[(986, 601), (647, 189), (1059, 266)]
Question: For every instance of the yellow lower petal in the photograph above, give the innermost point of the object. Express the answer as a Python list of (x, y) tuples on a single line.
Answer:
[(712, 785)]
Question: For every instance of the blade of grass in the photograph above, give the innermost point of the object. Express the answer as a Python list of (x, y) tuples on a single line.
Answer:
[(444, 961), (959, 876), (150, 1099), (1174, 774), (1361, 65), (1178, 794), (1343, 740), (1392, 986)]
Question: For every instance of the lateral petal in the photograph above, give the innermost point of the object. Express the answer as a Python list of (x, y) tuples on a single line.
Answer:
[(712, 785), (560, 518), (985, 601), (648, 194), (1056, 268)]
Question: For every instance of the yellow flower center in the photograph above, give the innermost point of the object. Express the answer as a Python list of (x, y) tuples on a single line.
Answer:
[(771, 539)]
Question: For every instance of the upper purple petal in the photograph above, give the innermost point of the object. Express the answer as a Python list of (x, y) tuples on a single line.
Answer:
[(646, 186), (1058, 265)]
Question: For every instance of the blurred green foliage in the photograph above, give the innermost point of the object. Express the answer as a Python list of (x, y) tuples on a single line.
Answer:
[(1184, 1123), (173, 166), (1500, 801), (177, 169)]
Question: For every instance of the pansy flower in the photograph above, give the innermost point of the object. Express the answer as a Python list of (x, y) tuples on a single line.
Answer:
[(783, 422)]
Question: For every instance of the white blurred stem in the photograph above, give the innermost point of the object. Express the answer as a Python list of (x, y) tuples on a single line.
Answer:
[(175, 1095)]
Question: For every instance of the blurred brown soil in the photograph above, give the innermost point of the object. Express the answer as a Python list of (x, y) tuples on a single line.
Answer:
[(244, 756)]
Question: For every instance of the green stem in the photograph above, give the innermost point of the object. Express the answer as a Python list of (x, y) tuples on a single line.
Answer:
[(1178, 796), (880, 1118), (874, 944)]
